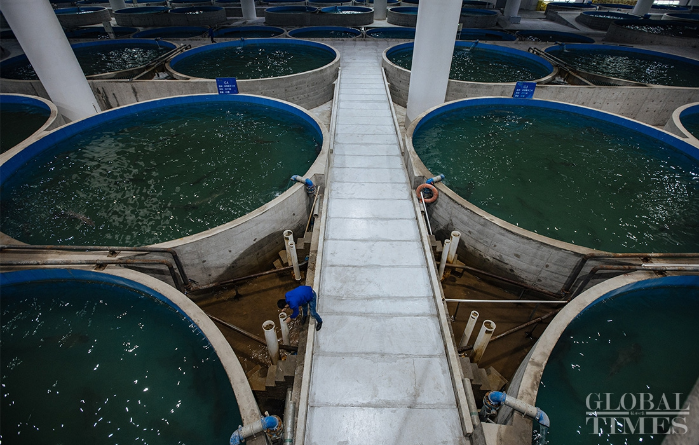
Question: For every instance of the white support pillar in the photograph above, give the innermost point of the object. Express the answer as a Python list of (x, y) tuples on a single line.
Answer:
[(437, 21), (380, 8), (117, 4), (249, 11), (642, 7), (511, 9), (51, 56)]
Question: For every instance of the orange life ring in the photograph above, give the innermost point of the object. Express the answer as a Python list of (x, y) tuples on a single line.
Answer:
[(431, 188)]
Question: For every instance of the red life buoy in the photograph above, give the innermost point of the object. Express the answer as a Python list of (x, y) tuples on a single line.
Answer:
[(429, 187)]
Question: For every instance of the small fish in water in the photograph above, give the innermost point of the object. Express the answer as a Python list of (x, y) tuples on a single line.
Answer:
[(67, 341), (626, 357), (73, 215)]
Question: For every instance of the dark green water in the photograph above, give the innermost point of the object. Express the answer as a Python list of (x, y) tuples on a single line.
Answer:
[(637, 67), (388, 33), (91, 363), (566, 176), (642, 341), (96, 60), (18, 122), (325, 35), (480, 65), (674, 30), (156, 176), (254, 61), (691, 123)]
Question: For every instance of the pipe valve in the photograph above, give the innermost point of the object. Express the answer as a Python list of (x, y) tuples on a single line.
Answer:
[(310, 187)]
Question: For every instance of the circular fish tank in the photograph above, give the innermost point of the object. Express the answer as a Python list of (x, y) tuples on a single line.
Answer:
[(632, 64), (682, 17), (480, 62), (143, 16), (173, 32), (553, 36), (401, 33), (148, 173), (95, 58), (685, 122), (82, 16), (549, 171), (654, 32), (402, 15), (252, 59), (595, 370), (197, 16), (478, 18), (249, 32), (371, 2), (325, 32), (22, 117), (290, 16), (480, 34), (601, 20), (91, 357), (98, 32), (348, 10)]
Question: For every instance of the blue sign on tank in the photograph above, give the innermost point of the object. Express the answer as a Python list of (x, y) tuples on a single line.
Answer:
[(227, 85), (524, 90)]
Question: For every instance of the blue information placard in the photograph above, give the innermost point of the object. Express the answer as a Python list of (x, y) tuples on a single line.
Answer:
[(524, 90), (227, 85)]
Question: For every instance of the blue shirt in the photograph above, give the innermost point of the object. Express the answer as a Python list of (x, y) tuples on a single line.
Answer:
[(298, 297)]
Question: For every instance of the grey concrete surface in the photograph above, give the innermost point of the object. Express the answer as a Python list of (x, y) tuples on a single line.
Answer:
[(380, 372)]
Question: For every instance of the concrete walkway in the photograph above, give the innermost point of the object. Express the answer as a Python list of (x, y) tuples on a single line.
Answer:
[(379, 373)]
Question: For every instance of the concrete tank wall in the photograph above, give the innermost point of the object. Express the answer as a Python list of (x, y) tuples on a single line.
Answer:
[(620, 34), (95, 16)]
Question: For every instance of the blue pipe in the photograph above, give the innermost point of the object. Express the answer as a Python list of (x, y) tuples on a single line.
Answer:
[(437, 178), (310, 187), (495, 399), (269, 424)]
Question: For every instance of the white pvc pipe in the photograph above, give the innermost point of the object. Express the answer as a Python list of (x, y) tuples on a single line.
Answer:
[(511, 9), (285, 328), (469, 329), (41, 37), (437, 21), (272, 340), (292, 257), (380, 8), (482, 340), (117, 4), (443, 261), (288, 238), (249, 11), (642, 7), (455, 237), (108, 28)]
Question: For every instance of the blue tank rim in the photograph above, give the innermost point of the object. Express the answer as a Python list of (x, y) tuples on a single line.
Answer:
[(651, 283), (142, 10), (299, 9), (372, 31), (689, 111), (62, 11), (507, 36), (346, 8), (9, 98), (86, 276), (573, 5), (660, 23), (154, 31), (404, 9), (151, 42), (602, 47), (536, 32), (670, 7), (354, 31), (476, 11), (190, 1), (188, 9), (227, 1), (264, 42), (223, 32), (674, 141), (494, 48), (372, 1), (11, 165)]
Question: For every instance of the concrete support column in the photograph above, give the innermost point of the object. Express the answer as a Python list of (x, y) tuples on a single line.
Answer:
[(249, 12), (380, 7), (511, 9), (642, 7), (437, 22), (117, 4), (51, 56)]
